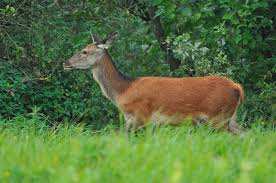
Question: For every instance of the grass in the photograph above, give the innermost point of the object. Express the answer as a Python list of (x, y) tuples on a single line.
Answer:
[(30, 151)]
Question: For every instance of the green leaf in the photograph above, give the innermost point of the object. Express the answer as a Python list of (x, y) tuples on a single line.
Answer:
[(185, 11)]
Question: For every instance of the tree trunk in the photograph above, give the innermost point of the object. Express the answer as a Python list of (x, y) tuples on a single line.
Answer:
[(161, 37), (147, 14)]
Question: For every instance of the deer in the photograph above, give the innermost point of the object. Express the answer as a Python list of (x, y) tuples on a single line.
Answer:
[(212, 100)]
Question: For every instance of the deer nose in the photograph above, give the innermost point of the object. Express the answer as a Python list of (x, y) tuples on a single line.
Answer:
[(66, 66)]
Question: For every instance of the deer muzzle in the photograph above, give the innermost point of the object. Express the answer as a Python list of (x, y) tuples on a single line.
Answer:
[(67, 66)]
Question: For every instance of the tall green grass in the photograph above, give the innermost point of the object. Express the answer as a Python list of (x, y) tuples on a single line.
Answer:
[(31, 151)]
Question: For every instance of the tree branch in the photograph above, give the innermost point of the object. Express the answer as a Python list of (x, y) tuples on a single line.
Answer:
[(147, 14), (159, 33)]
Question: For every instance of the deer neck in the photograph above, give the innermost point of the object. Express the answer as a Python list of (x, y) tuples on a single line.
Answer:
[(111, 81)]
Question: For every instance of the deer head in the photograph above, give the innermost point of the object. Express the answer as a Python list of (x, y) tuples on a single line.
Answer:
[(91, 55)]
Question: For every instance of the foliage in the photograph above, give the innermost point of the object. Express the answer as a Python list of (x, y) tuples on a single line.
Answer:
[(231, 38), (30, 151)]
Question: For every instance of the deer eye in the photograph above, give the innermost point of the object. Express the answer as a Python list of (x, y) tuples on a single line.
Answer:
[(84, 52)]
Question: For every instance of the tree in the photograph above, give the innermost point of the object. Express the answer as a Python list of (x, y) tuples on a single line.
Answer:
[(147, 11)]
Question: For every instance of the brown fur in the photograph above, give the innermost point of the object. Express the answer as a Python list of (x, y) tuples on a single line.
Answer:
[(211, 96)]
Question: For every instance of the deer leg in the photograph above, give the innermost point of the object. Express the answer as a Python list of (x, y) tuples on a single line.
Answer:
[(233, 126), (229, 124), (155, 126), (220, 123), (200, 119), (132, 123)]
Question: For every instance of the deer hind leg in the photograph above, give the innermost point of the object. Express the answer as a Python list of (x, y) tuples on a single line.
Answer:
[(220, 123), (228, 124), (233, 126)]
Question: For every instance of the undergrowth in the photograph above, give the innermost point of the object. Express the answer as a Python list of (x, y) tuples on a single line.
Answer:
[(33, 151)]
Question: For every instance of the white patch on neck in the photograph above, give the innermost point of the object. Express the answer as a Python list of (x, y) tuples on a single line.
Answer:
[(105, 85)]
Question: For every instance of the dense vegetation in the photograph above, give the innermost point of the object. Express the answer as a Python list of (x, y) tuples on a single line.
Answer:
[(30, 151), (157, 37), (48, 117)]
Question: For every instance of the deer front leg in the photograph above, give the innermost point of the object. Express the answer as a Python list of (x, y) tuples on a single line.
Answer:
[(132, 123)]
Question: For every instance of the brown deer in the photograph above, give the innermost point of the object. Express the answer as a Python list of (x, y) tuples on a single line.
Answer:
[(161, 100)]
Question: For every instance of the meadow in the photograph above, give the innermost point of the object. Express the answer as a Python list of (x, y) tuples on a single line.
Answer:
[(32, 151), (56, 126)]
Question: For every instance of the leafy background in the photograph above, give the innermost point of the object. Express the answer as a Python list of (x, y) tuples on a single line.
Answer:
[(157, 37)]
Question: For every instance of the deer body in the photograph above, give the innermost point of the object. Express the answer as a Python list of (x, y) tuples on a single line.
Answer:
[(162, 100), (171, 100)]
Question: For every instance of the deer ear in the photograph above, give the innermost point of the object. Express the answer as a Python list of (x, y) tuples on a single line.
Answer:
[(110, 38), (96, 39), (106, 43)]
